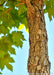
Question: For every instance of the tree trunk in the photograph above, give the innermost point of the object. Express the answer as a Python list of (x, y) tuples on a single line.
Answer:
[(38, 61)]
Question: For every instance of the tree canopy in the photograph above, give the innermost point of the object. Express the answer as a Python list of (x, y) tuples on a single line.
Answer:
[(13, 14), (49, 4)]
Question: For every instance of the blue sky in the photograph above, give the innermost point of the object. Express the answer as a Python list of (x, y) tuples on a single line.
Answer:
[(21, 57), (50, 31)]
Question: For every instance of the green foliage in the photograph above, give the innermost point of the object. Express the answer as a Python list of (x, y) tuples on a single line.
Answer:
[(9, 66), (6, 42), (22, 10), (0, 73), (17, 38), (10, 17), (2, 2), (49, 8), (5, 60)]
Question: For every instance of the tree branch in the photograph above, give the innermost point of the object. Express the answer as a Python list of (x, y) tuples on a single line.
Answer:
[(18, 4), (22, 1)]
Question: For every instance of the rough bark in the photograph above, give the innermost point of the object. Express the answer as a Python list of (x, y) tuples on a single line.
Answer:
[(38, 61)]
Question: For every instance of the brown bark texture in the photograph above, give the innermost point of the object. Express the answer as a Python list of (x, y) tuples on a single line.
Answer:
[(38, 61)]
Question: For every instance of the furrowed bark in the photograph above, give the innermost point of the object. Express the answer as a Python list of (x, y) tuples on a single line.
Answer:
[(38, 61)]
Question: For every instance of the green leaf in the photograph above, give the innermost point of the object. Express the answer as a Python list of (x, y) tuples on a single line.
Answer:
[(24, 21), (14, 15), (12, 50), (5, 61), (22, 9), (11, 60), (10, 3), (0, 73), (17, 38), (1, 65), (2, 1), (2, 53), (49, 8), (9, 66)]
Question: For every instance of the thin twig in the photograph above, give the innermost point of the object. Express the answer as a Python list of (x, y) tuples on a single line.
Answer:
[(18, 4)]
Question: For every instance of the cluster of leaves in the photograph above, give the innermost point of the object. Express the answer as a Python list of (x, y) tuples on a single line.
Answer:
[(49, 8), (10, 16), (13, 18), (6, 42)]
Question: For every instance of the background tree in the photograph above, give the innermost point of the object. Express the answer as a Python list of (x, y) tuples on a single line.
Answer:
[(14, 12)]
